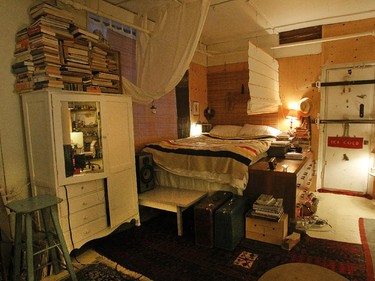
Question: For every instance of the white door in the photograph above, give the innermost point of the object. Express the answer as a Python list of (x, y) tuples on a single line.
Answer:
[(345, 163), (121, 182)]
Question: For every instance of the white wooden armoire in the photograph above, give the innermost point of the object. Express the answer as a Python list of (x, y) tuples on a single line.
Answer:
[(94, 175)]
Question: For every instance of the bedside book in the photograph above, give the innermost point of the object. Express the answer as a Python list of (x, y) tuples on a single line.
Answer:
[(294, 155)]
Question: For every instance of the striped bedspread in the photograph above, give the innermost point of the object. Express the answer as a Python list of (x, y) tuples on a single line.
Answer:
[(211, 159)]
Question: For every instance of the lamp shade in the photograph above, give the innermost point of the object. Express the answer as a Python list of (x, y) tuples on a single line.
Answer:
[(292, 114)]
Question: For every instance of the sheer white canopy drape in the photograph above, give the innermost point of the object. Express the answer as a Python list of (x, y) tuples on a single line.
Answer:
[(164, 55)]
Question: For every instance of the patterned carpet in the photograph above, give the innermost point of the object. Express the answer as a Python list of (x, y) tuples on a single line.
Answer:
[(103, 269), (155, 250), (367, 231), (100, 272)]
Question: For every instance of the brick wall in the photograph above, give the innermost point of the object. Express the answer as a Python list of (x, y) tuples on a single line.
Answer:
[(228, 93)]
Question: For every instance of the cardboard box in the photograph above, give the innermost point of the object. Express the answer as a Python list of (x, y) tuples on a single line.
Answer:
[(291, 240)]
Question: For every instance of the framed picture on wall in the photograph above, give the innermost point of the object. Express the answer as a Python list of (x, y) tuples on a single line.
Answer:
[(196, 108)]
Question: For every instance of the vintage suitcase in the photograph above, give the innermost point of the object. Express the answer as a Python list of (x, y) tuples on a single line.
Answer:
[(278, 149), (204, 213), (230, 222)]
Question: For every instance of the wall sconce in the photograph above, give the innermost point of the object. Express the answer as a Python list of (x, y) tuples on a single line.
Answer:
[(153, 107), (292, 115)]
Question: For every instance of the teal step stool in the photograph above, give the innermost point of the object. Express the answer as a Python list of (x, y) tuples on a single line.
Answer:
[(24, 209)]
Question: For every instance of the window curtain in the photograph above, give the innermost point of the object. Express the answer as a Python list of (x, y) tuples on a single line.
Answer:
[(263, 82), (164, 55)]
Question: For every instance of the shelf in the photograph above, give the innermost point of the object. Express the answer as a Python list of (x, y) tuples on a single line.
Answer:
[(346, 121)]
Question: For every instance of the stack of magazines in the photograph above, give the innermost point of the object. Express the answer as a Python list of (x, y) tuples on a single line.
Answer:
[(268, 207)]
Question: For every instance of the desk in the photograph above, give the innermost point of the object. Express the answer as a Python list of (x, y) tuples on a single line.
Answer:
[(171, 199)]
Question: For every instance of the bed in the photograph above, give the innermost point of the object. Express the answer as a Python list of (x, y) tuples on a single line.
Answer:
[(216, 161)]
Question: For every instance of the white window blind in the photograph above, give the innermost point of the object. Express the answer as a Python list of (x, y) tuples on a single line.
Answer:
[(263, 82)]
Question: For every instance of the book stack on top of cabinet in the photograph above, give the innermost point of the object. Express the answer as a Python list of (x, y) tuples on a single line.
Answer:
[(268, 207), (53, 52)]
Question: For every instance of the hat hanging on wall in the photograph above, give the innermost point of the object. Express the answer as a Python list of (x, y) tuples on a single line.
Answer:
[(305, 106), (209, 113)]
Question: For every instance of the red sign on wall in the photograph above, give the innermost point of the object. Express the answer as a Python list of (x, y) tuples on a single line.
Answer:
[(345, 142)]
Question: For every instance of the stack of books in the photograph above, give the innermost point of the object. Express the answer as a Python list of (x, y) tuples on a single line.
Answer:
[(44, 49), (75, 67), (268, 207), (303, 136), (23, 66), (105, 68), (53, 52), (50, 24), (52, 19)]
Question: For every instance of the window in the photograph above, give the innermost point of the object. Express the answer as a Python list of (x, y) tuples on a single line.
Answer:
[(120, 38)]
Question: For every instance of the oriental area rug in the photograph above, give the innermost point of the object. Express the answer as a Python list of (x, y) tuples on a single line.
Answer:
[(155, 250), (106, 270), (367, 233)]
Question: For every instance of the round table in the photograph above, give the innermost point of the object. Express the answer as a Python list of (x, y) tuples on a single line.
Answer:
[(301, 271)]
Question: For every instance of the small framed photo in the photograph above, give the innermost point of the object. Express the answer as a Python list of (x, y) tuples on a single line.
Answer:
[(195, 108)]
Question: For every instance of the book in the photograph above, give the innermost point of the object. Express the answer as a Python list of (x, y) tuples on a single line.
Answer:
[(22, 64), (265, 216), (105, 75), (264, 199), (26, 68), (294, 155), (47, 9), (82, 33)]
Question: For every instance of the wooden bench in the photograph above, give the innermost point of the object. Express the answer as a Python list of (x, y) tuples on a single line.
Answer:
[(171, 199)]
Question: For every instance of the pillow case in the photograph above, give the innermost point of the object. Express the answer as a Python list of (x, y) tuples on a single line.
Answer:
[(225, 131), (249, 130)]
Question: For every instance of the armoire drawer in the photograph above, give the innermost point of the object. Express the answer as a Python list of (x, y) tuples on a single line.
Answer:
[(83, 217), (85, 231), (79, 189), (82, 202)]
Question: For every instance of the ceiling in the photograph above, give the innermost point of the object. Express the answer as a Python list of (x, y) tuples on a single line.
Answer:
[(230, 20)]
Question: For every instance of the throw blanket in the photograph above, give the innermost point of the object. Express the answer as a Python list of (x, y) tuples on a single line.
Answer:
[(211, 159)]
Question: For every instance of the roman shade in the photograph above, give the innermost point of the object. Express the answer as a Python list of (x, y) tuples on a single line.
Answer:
[(263, 82)]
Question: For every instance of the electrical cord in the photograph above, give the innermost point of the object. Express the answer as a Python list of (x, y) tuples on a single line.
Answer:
[(68, 207), (314, 223)]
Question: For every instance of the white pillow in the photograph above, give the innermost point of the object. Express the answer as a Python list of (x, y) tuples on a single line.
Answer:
[(225, 131), (249, 130)]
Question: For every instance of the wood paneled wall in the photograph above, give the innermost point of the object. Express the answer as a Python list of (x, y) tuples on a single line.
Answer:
[(198, 89), (228, 93), (296, 75), (354, 50)]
